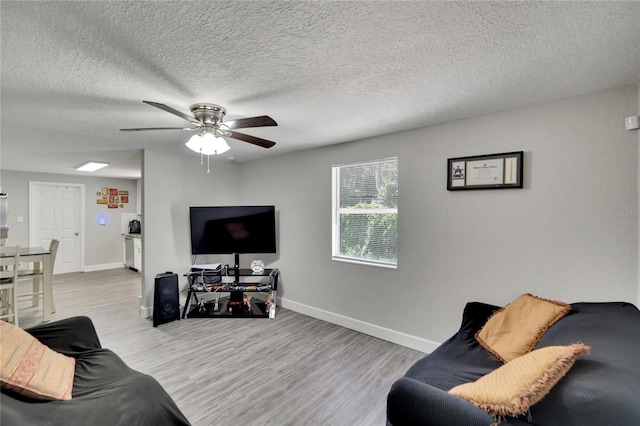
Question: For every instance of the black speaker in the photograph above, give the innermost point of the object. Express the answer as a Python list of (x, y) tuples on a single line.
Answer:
[(166, 305)]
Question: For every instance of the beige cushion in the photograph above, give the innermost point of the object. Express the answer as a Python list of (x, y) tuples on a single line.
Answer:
[(31, 368), (513, 388), (516, 329)]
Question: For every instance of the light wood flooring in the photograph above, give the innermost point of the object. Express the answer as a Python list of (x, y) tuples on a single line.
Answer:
[(292, 370)]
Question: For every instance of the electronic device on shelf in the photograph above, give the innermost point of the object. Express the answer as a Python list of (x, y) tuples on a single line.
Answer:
[(206, 267)]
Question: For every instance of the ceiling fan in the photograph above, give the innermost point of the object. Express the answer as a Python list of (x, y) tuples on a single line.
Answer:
[(208, 119)]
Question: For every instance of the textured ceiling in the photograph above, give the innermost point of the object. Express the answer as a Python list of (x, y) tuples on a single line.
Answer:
[(73, 73)]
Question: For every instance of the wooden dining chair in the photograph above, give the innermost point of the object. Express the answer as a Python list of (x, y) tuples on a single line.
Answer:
[(9, 267), (36, 274)]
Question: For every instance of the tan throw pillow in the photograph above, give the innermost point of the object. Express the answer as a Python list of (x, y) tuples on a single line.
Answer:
[(31, 368), (516, 329), (514, 387)]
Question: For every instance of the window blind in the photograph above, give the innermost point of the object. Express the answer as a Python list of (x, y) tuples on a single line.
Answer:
[(365, 225)]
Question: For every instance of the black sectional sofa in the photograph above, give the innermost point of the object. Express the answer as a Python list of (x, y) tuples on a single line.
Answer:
[(601, 389), (105, 390)]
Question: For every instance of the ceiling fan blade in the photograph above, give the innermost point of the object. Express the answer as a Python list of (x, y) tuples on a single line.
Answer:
[(243, 123), (159, 128), (172, 111), (251, 139)]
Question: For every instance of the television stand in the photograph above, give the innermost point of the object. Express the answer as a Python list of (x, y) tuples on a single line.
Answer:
[(241, 298), (236, 266)]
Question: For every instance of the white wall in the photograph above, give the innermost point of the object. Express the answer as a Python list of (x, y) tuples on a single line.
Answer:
[(103, 244), (561, 237)]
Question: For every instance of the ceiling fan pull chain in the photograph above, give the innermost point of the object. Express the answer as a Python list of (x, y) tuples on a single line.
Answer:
[(201, 162), (208, 171)]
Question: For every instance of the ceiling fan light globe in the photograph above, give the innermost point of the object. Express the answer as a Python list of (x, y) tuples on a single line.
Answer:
[(214, 146), (208, 138), (194, 143), (223, 146)]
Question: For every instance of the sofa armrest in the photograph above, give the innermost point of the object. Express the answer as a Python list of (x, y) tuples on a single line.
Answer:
[(69, 336), (411, 402)]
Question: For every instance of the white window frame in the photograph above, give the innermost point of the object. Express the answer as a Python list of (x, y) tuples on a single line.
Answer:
[(336, 211)]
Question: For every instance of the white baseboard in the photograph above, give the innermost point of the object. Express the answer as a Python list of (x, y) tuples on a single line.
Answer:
[(413, 342), (145, 311), (103, 267)]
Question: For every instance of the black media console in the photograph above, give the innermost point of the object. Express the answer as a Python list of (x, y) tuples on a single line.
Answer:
[(231, 294)]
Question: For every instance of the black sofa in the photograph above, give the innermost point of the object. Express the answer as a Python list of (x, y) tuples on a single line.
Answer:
[(105, 390), (602, 388)]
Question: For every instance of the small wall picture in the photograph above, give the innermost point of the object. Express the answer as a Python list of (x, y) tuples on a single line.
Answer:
[(493, 171), (112, 197)]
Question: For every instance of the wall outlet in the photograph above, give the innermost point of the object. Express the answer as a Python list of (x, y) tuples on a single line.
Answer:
[(632, 123)]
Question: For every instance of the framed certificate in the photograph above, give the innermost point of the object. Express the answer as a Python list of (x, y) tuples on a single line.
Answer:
[(495, 171)]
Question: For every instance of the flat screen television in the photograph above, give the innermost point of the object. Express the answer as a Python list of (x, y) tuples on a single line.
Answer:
[(233, 229)]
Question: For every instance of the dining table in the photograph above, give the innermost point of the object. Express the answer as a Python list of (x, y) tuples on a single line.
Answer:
[(41, 257)]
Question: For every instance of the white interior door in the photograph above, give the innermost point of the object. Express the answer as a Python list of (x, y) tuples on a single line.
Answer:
[(56, 211)]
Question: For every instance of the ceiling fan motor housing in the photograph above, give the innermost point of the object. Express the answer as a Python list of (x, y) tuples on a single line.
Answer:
[(208, 113)]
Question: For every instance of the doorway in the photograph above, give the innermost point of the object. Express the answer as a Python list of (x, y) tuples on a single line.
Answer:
[(56, 210)]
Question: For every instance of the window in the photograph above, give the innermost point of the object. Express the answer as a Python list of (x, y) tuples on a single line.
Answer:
[(365, 213)]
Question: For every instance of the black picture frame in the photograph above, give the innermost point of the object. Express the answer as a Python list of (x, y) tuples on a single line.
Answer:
[(493, 171)]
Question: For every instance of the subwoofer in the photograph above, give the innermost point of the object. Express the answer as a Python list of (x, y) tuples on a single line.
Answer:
[(166, 306)]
